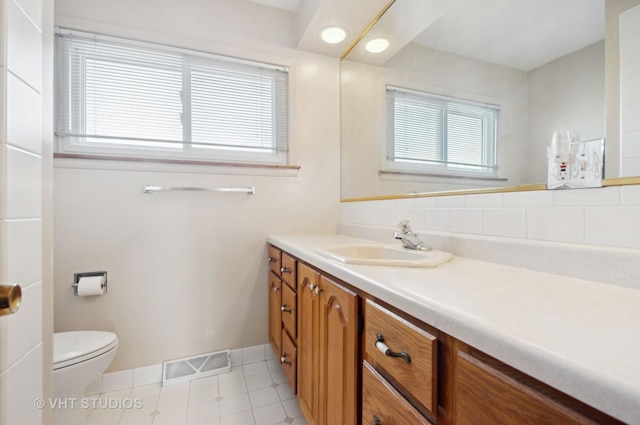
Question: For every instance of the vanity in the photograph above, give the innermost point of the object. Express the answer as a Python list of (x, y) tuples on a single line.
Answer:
[(466, 342)]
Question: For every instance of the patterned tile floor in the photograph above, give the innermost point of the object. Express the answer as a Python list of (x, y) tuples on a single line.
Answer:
[(251, 394)]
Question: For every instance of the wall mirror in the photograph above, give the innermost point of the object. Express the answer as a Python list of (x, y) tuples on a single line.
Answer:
[(541, 62)]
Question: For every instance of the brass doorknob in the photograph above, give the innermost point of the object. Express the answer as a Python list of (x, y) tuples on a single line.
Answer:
[(10, 299)]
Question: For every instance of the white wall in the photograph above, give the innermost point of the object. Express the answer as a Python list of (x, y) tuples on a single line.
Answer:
[(21, 213), (630, 92), (187, 271), (566, 94)]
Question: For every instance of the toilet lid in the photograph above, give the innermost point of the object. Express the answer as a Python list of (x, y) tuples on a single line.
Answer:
[(78, 346)]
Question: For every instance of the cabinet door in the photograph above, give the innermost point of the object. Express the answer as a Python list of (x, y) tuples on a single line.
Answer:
[(308, 328), (338, 354), (289, 360), (289, 311), (274, 259), (288, 270), (485, 395), (275, 315)]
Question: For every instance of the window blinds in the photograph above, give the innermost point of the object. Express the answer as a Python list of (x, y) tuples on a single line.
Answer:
[(117, 95), (431, 130)]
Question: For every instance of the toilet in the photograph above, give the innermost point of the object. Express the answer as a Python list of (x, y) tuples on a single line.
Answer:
[(79, 358)]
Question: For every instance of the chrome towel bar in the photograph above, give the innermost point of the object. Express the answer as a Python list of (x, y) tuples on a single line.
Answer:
[(150, 189)]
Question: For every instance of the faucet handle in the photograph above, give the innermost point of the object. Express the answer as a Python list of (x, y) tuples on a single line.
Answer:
[(404, 226)]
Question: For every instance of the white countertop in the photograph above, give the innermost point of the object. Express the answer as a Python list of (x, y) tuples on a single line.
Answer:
[(580, 337)]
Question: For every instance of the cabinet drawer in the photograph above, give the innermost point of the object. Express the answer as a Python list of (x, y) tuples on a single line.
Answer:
[(275, 314), (289, 360), (274, 259), (383, 405), (416, 375), (486, 394), (289, 310), (288, 270)]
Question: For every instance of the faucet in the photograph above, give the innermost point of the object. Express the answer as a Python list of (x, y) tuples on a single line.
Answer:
[(409, 239)]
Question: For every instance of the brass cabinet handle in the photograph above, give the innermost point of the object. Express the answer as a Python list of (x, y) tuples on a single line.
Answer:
[(284, 309), (382, 347), (314, 288), (376, 420), (285, 270), (283, 359), (10, 299)]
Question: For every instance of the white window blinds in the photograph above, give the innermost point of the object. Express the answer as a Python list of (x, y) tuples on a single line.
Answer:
[(118, 97), (434, 133)]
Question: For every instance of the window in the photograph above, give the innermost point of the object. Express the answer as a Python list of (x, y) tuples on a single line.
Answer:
[(436, 134), (119, 97)]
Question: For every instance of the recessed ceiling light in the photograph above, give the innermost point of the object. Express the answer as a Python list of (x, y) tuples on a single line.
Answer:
[(333, 35), (377, 45)]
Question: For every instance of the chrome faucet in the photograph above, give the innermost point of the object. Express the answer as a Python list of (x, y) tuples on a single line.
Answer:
[(409, 239)]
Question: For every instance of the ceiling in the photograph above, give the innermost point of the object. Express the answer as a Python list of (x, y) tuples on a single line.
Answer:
[(312, 16), (519, 34)]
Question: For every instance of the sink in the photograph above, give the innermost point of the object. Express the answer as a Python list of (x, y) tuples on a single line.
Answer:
[(385, 255)]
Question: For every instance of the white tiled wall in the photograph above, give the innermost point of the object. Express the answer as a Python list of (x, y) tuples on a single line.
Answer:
[(630, 91), (603, 216), (586, 233), (21, 348)]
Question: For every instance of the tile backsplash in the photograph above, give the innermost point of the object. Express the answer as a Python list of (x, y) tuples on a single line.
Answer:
[(608, 216), (591, 234)]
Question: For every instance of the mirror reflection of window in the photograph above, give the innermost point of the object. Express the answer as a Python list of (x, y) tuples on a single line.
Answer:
[(432, 133)]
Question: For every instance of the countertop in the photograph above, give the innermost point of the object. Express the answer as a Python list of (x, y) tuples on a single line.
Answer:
[(580, 337)]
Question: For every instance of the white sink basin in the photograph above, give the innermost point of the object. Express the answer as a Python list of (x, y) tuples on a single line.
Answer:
[(385, 255)]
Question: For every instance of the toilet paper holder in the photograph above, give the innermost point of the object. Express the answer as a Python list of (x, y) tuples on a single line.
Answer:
[(77, 276)]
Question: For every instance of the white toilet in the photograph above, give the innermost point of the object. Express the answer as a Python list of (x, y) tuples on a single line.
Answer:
[(79, 358)]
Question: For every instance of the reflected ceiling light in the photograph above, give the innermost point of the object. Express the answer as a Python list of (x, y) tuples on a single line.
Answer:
[(333, 35), (377, 45)]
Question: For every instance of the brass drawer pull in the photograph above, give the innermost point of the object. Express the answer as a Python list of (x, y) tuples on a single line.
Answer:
[(284, 309), (285, 270), (383, 348), (283, 359), (376, 420)]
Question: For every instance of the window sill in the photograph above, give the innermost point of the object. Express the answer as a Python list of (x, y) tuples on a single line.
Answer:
[(86, 161), (391, 173)]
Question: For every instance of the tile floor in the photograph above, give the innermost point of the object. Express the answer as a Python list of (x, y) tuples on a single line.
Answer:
[(251, 394)]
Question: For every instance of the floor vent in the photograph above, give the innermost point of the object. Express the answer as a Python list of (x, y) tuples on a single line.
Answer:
[(180, 370)]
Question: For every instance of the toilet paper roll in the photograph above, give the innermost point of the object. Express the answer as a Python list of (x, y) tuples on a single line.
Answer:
[(90, 285)]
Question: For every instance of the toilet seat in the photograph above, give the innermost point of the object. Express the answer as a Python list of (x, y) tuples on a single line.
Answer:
[(70, 348)]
